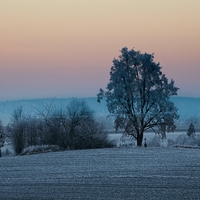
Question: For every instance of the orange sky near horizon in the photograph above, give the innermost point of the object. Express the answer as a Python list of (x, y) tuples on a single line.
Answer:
[(65, 48)]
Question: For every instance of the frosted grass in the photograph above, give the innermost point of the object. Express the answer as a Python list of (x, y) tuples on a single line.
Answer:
[(119, 173)]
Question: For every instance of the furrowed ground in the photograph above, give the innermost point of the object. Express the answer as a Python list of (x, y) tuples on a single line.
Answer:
[(118, 173)]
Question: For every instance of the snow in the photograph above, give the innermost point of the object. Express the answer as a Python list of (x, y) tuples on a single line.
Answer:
[(118, 173), (153, 140)]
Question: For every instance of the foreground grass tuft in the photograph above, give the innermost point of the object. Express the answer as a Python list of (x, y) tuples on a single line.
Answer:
[(40, 149)]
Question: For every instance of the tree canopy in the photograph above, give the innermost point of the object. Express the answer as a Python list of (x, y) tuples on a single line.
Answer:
[(138, 95)]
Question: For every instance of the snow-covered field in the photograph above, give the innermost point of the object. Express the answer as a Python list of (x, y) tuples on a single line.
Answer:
[(118, 173)]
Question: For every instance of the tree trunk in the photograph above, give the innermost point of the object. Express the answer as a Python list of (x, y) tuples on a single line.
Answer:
[(139, 139)]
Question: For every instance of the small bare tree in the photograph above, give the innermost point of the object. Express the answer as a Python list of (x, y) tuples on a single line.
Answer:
[(191, 130), (16, 130)]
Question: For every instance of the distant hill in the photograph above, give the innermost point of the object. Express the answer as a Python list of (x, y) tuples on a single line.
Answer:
[(189, 108), (32, 106)]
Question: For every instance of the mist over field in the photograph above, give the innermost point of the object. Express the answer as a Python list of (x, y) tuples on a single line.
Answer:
[(188, 108)]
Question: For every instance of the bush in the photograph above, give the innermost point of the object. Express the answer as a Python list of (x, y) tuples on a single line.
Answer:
[(126, 141), (184, 139), (170, 142), (154, 142), (7, 152)]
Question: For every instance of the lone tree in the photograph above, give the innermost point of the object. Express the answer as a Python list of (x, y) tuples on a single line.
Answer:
[(138, 95)]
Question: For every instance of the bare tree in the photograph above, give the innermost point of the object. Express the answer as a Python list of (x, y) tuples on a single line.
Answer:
[(16, 130), (78, 116)]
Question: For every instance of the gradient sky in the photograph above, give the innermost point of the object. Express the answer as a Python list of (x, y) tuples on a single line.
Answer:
[(65, 48)]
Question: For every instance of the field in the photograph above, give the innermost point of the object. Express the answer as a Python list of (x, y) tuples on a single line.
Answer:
[(118, 173)]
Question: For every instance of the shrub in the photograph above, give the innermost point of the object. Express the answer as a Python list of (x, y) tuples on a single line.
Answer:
[(184, 139), (7, 152), (170, 142), (154, 142), (191, 130)]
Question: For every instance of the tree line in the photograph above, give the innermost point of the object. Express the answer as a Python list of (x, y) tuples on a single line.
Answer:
[(74, 127)]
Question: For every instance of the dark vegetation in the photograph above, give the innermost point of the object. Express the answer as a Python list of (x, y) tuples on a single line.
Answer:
[(2, 136), (191, 130), (74, 127)]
